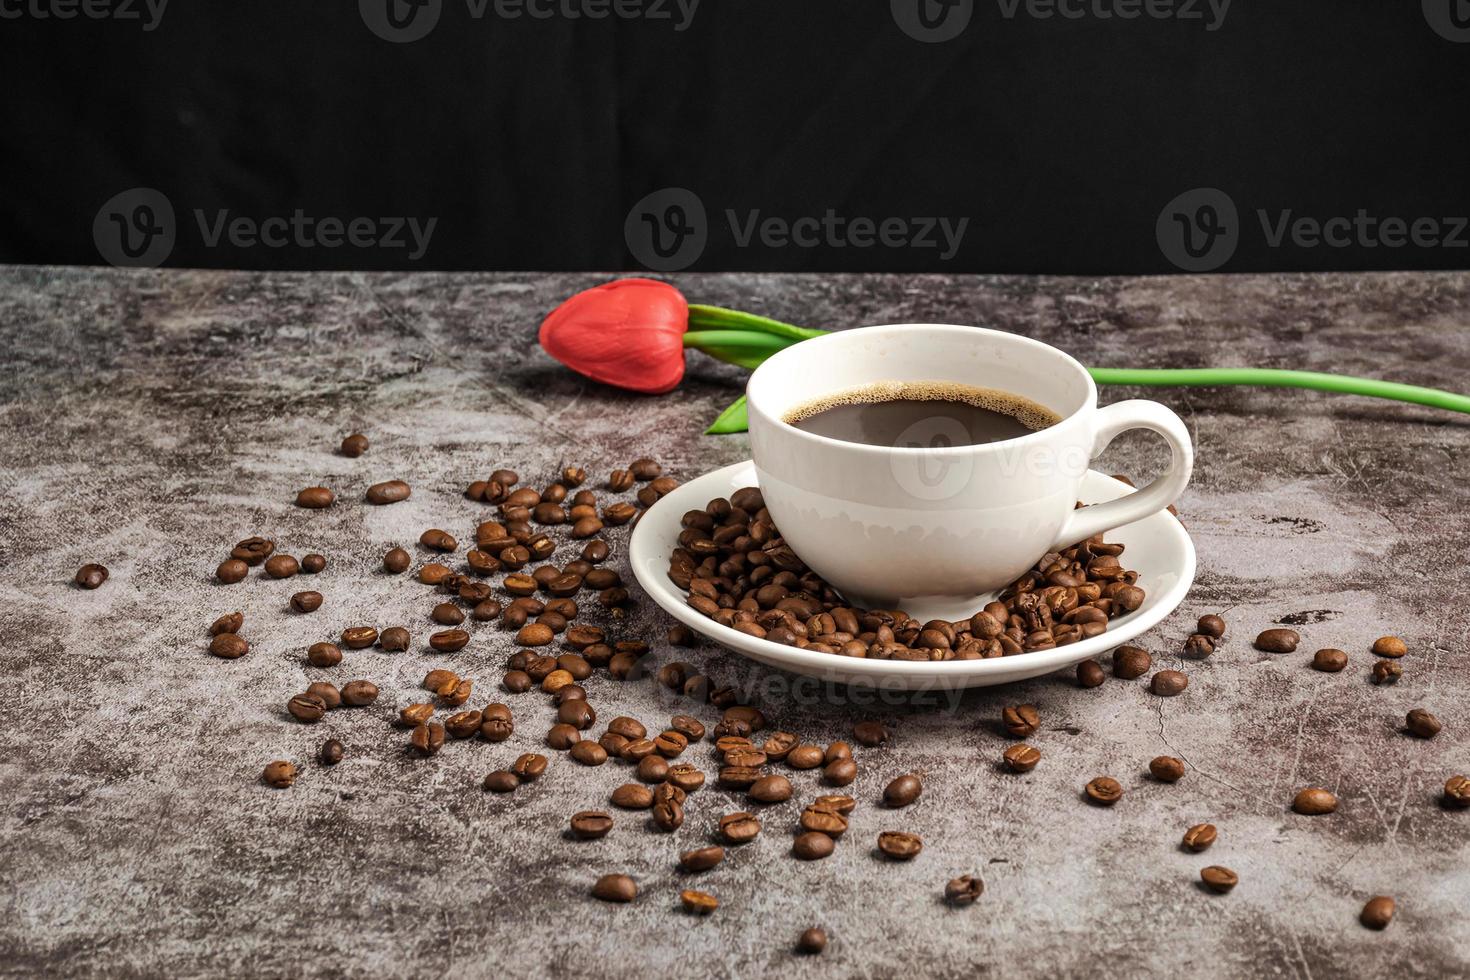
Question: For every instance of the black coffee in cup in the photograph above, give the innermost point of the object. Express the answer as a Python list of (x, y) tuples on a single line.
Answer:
[(923, 414)]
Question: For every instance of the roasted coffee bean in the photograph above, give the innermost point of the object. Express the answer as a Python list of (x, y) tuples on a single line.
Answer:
[(462, 724), (1021, 758), (632, 796), (497, 710), (396, 561), (1378, 913), (739, 828), (496, 729), (279, 774), (90, 576), (739, 777), (563, 737), (394, 639), (448, 641), (899, 846), (1089, 674), (812, 846), (358, 694), (903, 791), (670, 744), (779, 746), (1314, 801), (435, 574), (668, 791), (688, 726), (1457, 792), (535, 635), (229, 646), (359, 637), (619, 481), (501, 781), (636, 750), (804, 757), (1329, 660), (439, 678), (1021, 720), (1212, 626), (667, 813), (1277, 641), (730, 743), (438, 540), (485, 611), (591, 825), (744, 712), (1199, 837), (618, 514), (629, 728), (281, 566), (1218, 879), (1166, 768), (578, 713), (427, 739), (870, 733), (516, 681), (770, 789), (811, 942), (529, 766), (330, 753), (253, 551), (698, 903), (701, 858), (354, 445), (1386, 672), (556, 680), (415, 715), (506, 478), (732, 727), (645, 469), (313, 564), (1130, 662), (315, 498), (228, 623), (307, 708), (323, 655), (653, 769), (1168, 683), (840, 772), (1422, 724), (1199, 646), (1104, 791), (588, 753), (685, 776), (389, 492), (964, 890), (615, 888), (305, 602), (231, 571), (823, 820), (838, 802), (329, 694), (1390, 646)]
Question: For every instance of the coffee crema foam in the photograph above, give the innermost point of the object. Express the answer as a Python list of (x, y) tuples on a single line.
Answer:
[(1032, 415)]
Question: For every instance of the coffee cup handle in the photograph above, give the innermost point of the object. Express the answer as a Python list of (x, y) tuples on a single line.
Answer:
[(1111, 421)]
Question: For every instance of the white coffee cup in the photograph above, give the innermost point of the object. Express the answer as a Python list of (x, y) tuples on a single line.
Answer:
[(935, 527)]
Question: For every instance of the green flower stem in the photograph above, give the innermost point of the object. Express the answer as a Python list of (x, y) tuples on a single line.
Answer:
[(718, 318), (740, 347), (1274, 378)]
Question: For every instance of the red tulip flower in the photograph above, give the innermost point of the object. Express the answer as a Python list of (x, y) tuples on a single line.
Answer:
[(628, 333)]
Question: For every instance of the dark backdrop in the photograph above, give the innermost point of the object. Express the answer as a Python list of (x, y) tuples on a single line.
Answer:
[(529, 139)]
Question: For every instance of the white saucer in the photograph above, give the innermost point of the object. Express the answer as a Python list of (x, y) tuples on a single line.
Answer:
[(1157, 547)]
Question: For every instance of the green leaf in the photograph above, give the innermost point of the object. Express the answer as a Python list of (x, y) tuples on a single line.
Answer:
[(732, 419), (718, 318), (740, 347)]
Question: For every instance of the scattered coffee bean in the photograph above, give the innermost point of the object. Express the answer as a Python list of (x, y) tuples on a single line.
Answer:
[(588, 753), (1089, 674), (668, 813), (394, 639), (315, 498), (620, 480), (686, 777), (92, 575), (313, 563), (438, 540), (1199, 837), (770, 789), (1130, 662), (870, 733), (1457, 792), (1218, 879), (231, 571), (739, 828), (516, 681), (396, 561), (359, 637), (1168, 683), (501, 781), (964, 890), (1390, 646), (415, 715), (1021, 720), (899, 846), (903, 791), (329, 694), (228, 623), (439, 678), (358, 694), (448, 641), (653, 769), (307, 708), (253, 551), (305, 602), (331, 752), (645, 469), (462, 724), (506, 478), (388, 492), (1422, 724), (1314, 801), (427, 739), (615, 888), (229, 646), (1199, 646), (1386, 672), (1021, 758), (1329, 660), (496, 728), (1378, 913), (1212, 626), (811, 942), (701, 859), (279, 774), (632, 796), (281, 566), (824, 820), (529, 766), (323, 655), (1104, 791), (812, 846), (698, 903), (1167, 768), (1277, 641), (354, 445), (840, 772)]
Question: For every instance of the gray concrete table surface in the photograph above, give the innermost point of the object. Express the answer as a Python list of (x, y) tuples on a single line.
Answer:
[(150, 419)]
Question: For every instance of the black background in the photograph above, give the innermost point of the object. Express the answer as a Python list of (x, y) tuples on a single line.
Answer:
[(529, 139)]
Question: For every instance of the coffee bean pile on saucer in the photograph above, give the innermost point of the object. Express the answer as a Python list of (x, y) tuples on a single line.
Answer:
[(741, 573)]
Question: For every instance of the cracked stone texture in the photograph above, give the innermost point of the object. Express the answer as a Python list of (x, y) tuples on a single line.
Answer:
[(152, 418)]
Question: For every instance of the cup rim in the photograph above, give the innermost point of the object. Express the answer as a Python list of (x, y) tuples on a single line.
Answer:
[(781, 425)]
